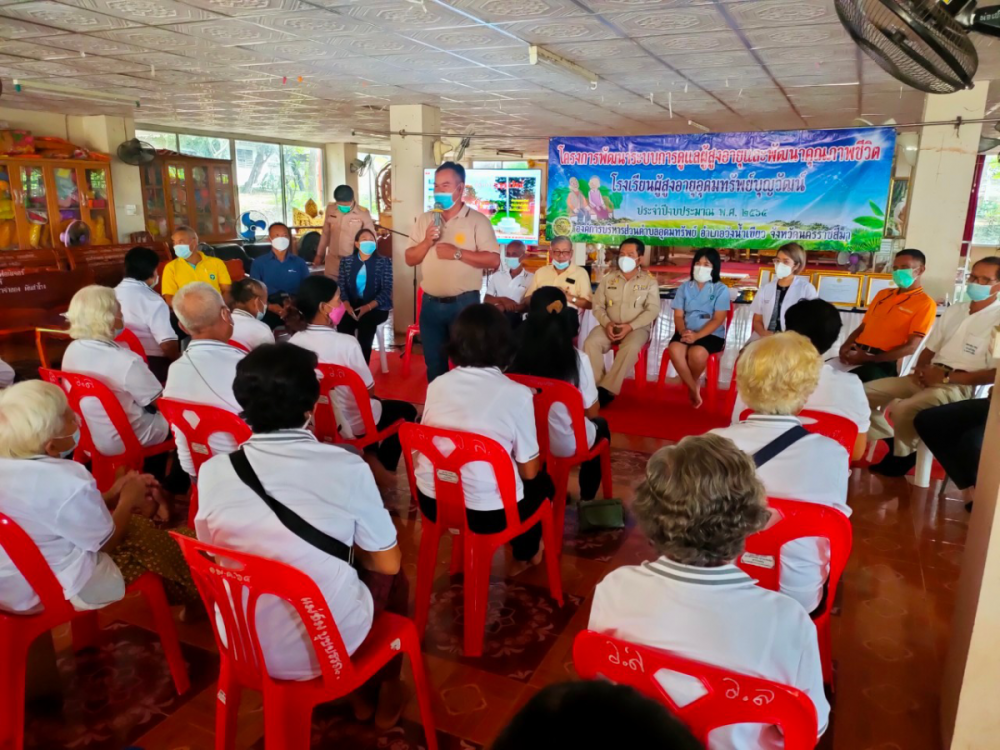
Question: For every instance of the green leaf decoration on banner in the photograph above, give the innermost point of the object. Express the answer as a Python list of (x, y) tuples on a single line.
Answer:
[(871, 222), (875, 209)]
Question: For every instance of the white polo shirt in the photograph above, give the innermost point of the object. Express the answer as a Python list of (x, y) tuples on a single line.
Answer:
[(204, 374), (6, 374), (838, 392), (57, 504), (562, 441), (146, 315), (717, 616), (129, 378), (484, 401), (330, 488), (502, 284), (961, 340), (249, 331), (335, 348), (814, 469)]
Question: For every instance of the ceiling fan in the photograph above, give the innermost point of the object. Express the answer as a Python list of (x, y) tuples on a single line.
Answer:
[(923, 43)]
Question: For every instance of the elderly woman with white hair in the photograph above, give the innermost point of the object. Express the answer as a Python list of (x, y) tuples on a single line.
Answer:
[(775, 377), (93, 552), (95, 319)]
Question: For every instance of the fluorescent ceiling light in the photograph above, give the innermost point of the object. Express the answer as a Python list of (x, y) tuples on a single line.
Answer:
[(541, 56), (698, 125), (70, 92)]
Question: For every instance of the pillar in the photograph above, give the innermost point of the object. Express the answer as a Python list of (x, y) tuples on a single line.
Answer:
[(969, 716), (410, 156), (338, 167), (939, 190), (105, 133)]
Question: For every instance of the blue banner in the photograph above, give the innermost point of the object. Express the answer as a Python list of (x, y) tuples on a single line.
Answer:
[(824, 189)]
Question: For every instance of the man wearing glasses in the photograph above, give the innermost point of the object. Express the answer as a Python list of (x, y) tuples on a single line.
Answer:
[(564, 274)]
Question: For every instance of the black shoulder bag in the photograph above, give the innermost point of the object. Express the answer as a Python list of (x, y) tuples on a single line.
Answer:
[(784, 441)]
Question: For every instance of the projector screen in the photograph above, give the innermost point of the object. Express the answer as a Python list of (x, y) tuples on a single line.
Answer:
[(508, 196)]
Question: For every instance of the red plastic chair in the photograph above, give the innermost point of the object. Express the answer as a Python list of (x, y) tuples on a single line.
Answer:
[(18, 632), (833, 426), (730, 697), (711, 368), (209, 420), (129, 339), (288, 704), (239, 345), (412, 331), (477, 549), (798, 520), (325, 425), (549, 392), (77, 387), (641, 364)]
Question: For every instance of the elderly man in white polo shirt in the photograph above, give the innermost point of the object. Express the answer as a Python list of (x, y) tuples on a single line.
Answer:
[(204, 373), (956, 360), (144, 311), (698, 504), (506, 286), (775, 376)]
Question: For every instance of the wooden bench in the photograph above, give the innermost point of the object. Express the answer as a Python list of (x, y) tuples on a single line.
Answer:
[(38, 299), (107, 262)]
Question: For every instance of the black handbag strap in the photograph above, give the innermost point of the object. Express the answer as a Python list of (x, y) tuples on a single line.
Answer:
[(785, 440), (288, 517)]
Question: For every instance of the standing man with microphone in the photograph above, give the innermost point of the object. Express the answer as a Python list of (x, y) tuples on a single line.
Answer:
[(454, 245)]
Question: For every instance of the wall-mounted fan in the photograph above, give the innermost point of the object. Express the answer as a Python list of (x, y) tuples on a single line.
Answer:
[(923, 43), (250, 222), (136, 152), (361, 166)]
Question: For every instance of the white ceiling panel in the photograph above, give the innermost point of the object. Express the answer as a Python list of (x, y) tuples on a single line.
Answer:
[(146, 12), (695, 19), (65, 17)]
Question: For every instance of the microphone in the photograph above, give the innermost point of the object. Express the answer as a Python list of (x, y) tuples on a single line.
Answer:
[(439, 215)]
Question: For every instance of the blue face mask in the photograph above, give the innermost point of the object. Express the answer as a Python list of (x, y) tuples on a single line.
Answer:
[(76, 441), (447, 200), (262, 312), (367, 247), (979, 292), (513, 262), (561, 265), (182, 251)]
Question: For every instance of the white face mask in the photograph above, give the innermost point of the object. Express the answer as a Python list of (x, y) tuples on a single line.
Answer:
[(626, 263), (781, 270), (702, 274), (280, 244)]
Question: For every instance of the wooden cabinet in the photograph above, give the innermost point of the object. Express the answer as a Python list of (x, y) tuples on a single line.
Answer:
[(189, 190), (40, 197)]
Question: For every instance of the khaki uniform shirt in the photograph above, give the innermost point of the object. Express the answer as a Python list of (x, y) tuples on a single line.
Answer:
[(468, 230), (574, 281), (339, 231), (635, 301)]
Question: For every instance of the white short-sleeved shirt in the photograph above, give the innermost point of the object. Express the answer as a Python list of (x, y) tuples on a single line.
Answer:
[(6, 374), (961, 340), (838, 392), (57, 504), (204, 374), (562, 441), (146, 315), (481, 400), (333, 490), (765, 300), (717, 616), (816, 470), (335, 348), (249, 331), (502, 284), (129, 378)]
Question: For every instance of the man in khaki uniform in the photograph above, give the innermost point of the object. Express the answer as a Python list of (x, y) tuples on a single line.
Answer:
[(341, 223), (563, 274), (626, 304)]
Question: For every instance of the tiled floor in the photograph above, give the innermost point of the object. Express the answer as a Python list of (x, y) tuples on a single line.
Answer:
[(889, 640)]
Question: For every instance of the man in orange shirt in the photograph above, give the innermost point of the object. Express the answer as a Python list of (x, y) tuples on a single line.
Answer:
[(894, 325)]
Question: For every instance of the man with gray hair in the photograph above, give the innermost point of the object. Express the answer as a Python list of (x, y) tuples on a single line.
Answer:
[(563, 274), (204, 373)]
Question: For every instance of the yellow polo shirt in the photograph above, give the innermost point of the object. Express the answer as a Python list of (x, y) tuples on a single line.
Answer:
[(574, 281), (179, 272)]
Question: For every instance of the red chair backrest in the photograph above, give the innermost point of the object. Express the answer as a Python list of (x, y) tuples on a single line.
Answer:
[(325, 419), (210, 420), (239, 345), (833, 426), (130, 340), (236, 270), (31, 564), (549, 392), (420, 302), (797, 519), (730, 697), (234, 577), (448, 490)]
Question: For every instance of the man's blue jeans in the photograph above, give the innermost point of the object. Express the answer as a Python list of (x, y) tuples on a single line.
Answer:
[(436, 318)]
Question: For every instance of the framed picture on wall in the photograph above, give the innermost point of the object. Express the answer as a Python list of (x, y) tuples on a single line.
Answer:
[(840, 289), (876, 283), (898, 209), (765, 276)]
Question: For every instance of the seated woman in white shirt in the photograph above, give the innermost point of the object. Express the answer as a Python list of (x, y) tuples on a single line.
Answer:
[(477, 397), (331, 489), (249, 305), (699, 502), (93, 552), (320, 305), (776, 376), (546, 350), (144, 311), (774, 299)]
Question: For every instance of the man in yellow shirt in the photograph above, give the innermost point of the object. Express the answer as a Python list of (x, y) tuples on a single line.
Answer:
[(190, 265), (564, 274)]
